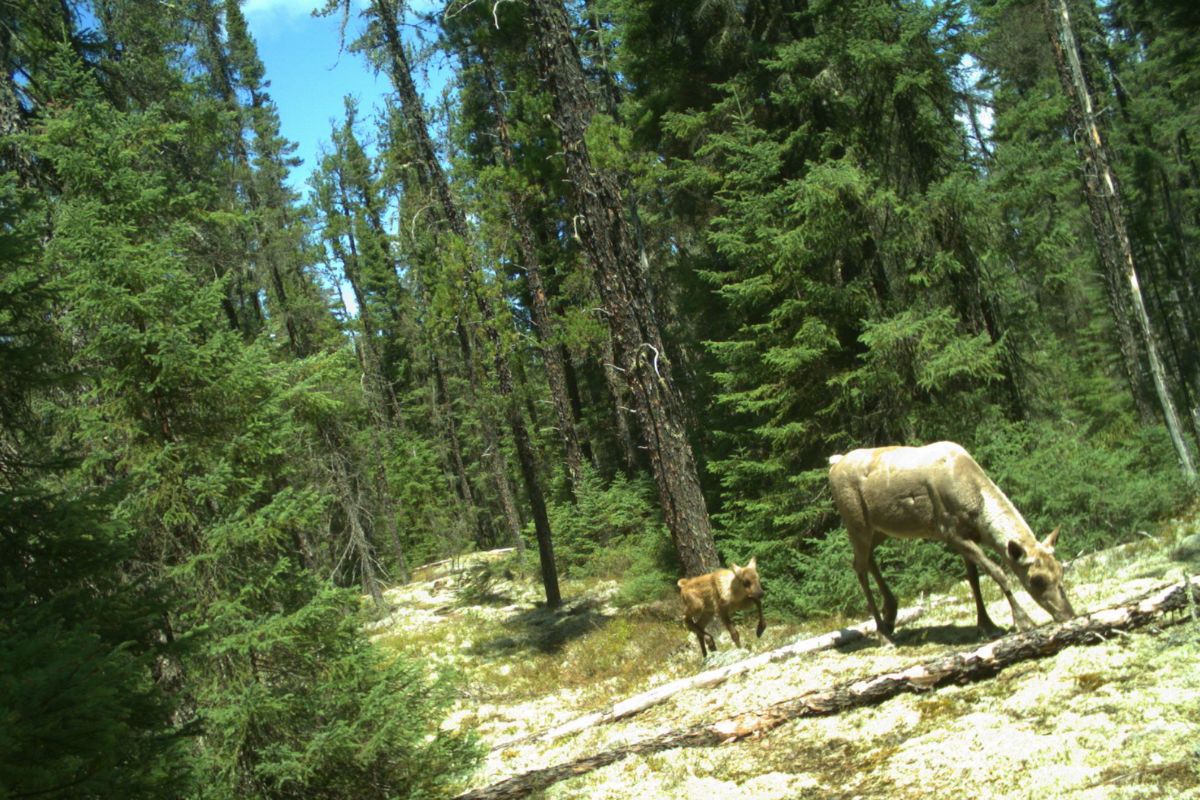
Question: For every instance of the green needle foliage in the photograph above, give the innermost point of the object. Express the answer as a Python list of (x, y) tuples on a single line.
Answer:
[(229, 418)]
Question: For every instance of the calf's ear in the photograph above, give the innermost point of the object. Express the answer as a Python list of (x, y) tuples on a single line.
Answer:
[(753, 563), (736, 569)]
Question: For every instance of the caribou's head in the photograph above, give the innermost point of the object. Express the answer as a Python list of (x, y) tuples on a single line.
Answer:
[(1041, 574), (745, 580)]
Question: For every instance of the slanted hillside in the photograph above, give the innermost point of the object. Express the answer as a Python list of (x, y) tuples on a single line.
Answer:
[(1117, 719)]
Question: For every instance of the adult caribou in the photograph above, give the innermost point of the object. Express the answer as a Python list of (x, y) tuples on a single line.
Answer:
[(939, 492)]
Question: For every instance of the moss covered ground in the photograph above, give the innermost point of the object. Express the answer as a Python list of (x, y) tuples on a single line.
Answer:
[(1119, 719)]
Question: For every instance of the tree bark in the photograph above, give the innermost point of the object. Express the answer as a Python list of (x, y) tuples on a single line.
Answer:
[(1172, 288), (375, 393), (973, 665), (349, 492), (613, 257), (576, 402), (1108, 216), (543, 319), (493, 452), (618, 390), (444, 412), (434, 181)]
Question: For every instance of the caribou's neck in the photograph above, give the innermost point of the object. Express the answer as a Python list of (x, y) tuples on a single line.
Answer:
[(1001, 523)]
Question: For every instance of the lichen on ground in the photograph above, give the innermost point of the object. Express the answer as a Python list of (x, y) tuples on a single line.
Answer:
[(1119, 719)]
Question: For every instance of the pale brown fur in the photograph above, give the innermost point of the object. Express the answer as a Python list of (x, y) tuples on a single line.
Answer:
[(721, 594), (939, 492)]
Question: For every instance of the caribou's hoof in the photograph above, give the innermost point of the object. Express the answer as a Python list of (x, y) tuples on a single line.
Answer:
[(762, 626)]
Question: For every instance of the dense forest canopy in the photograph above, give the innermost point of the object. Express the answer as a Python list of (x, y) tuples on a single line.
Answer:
[(617, 298)]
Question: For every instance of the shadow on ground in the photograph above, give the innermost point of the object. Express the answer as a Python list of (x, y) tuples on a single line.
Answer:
[(485, 585), (544, 630), (920, 635)]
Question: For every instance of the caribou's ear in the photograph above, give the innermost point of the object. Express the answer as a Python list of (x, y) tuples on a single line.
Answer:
[(1017, 553), (736, 569), (753, 563), (1052, 537)]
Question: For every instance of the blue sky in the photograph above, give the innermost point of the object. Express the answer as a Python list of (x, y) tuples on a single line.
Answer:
[(308, 76)]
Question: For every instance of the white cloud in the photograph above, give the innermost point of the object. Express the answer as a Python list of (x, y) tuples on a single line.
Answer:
[(284, 8)]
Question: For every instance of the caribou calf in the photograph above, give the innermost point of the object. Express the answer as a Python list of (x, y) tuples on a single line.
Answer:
[(939, 492), (720, 594)]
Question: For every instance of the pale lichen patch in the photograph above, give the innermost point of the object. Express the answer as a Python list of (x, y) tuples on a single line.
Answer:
[(1120, 719)]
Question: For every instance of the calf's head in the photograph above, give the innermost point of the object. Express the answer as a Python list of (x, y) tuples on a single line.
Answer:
[(745, 581), (1040, 573)]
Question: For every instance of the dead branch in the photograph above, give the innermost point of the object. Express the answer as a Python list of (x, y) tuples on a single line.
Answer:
[(660, 694), (972, 665)]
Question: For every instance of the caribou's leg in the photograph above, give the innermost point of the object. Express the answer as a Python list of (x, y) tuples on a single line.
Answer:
[(986, 626), (733, 634), (864, 561), (971, 552), (890, 607), (701, 634)]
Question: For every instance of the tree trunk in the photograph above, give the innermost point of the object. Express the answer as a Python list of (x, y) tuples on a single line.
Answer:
[(445, 414), (362, 548), (1107, 213), (493, 452), (980, 663), (434, 180), (1172, 289), (614, 260), (576, 402), (543, 319), (349, 493)]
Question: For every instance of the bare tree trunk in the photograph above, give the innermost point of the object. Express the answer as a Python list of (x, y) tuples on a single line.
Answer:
[(1172, 289), (981, 141), (376, 391), (362, 548), (618, 390), (615, 262), (543, 319), (493, 451), (576, 402), (349, 494), (445, 413), (1107, 212), (434, 180)]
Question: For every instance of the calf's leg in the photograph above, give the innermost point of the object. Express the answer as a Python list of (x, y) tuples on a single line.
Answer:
[(733, 634), (701, 635)]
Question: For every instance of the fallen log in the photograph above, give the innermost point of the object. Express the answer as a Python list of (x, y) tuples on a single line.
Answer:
[(964, 667), (659, 694)]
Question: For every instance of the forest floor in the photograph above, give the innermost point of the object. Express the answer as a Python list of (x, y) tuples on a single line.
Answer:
[(1119, 719)]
